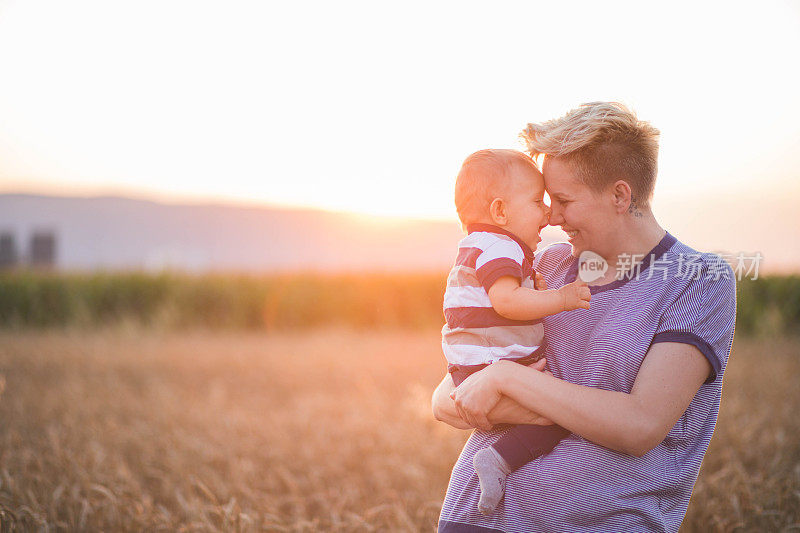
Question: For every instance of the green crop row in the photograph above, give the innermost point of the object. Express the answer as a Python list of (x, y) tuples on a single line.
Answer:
[(766, 306), (29, 299)]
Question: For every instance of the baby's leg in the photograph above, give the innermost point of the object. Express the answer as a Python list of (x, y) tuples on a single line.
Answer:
[(519, 446), (524, 443)]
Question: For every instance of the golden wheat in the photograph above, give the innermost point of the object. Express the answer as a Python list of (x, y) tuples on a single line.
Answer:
[(322, 430)]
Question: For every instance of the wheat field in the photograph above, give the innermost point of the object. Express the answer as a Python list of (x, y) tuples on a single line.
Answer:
[(327, 430)]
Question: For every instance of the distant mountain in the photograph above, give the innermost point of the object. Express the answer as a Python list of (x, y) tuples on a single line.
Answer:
[(113, 233)]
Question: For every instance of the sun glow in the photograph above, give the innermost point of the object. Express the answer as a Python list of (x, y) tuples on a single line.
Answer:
[(340, 110)]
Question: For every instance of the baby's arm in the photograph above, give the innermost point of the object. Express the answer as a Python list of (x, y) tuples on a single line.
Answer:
[(521, 303)]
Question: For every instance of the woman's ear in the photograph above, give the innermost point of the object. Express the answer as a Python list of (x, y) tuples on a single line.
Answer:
[(497, 210), (622, 196)]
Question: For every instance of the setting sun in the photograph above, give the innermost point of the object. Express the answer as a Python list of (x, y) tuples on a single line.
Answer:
[(243, 101)]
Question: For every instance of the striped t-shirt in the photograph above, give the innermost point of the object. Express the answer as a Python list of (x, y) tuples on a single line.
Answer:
[(678, 295), (475, 334)]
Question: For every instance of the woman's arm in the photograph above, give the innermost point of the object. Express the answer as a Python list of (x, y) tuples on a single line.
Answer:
[(444, 408), (506, 411), (634, 423)]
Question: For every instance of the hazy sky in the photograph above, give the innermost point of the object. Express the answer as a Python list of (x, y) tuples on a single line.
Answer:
[(371, 107)]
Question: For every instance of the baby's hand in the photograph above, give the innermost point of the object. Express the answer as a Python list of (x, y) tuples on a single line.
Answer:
[(539, 283), (576, 295)]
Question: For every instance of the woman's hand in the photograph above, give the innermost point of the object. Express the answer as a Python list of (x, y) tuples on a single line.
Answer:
[(508, 411), (479, 393), (505, 411)]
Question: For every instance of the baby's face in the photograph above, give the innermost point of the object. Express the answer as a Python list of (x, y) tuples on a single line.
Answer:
[(526, 210)]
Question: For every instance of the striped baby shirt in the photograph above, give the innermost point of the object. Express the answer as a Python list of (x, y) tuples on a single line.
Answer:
[(677, 295), (474, 333)]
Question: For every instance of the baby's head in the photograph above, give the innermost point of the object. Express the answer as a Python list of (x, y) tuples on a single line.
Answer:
[(505, 189)]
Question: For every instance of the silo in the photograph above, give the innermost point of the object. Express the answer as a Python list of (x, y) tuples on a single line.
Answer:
[(9, 256), (43, 249)]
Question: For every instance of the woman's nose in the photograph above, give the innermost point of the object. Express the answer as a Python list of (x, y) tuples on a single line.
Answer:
[(555, 217)]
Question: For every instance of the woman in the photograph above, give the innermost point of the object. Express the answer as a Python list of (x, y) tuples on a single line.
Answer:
[(637, 378)]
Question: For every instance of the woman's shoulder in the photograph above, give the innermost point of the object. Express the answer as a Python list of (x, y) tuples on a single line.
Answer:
[(554, 262), (693, 265), (552, 254)]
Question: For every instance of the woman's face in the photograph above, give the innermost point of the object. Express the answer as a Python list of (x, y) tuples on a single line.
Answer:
[(586, 216)]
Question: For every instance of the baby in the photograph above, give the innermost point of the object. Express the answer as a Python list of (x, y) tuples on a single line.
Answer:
[(491, 305)]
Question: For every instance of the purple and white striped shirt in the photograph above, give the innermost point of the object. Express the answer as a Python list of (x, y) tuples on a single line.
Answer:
[(679, 295)]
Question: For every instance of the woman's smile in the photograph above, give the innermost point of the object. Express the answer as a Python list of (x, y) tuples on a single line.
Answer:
[(570, 233)]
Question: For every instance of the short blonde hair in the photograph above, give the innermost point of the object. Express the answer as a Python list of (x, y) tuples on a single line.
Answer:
[(484, 176), (603, 142)]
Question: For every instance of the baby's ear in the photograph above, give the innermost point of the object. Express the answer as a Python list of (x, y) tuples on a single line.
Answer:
[(497, 210)]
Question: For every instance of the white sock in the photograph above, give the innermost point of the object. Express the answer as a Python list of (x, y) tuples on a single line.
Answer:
[(492, 471)]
